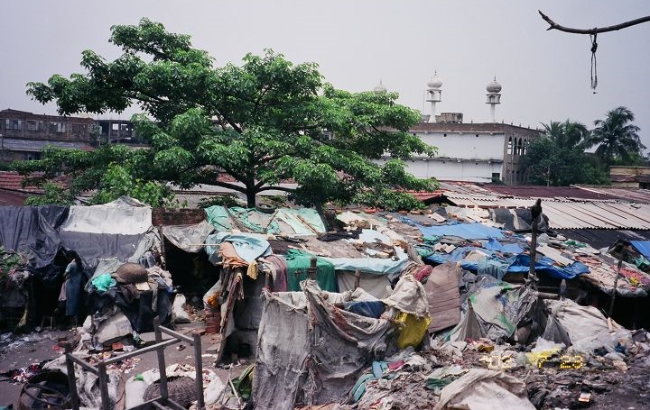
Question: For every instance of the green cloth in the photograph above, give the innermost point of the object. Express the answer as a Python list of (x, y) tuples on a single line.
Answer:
[(298, 263), (218, 217), (103, 282)]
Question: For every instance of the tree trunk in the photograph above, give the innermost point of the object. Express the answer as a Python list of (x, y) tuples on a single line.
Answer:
[(250, 197)]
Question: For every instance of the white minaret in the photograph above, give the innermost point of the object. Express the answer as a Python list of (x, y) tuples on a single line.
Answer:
[(493, 97), (434, 94)]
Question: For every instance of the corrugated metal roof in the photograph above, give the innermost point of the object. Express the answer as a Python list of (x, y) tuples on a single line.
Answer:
[(631, 195), (566, 214), (573, 192), (25, 145)]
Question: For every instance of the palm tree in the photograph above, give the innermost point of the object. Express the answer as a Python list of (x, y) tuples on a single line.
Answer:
[(617, 137), (567, 135)]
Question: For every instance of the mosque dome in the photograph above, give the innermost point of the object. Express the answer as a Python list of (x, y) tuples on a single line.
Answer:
[(494, 87), (380, 88), (435, 81)]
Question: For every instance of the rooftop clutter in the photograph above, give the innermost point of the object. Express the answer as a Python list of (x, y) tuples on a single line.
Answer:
[(448, 284), (420, 310)]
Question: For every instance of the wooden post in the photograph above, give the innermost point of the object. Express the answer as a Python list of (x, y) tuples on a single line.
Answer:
[(313, 269), (72, 379), (357, 278), (198, 364), (618, 274), (103, 385), (163, 257), (161, 361)]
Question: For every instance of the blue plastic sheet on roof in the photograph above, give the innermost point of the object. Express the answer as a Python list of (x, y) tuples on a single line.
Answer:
[(466, 231), (521, 264), (643, 247), (493, 244), (497, 267)]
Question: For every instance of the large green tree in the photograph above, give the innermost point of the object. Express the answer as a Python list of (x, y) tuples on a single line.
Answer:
[(617, 138), (260, 123), (558, 157)]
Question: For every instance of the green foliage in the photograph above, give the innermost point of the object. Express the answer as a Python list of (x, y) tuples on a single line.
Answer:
[(549, 164), (617, 138), (262, 123), (53, 195), (10, 260), (118, 181), (222, 200)]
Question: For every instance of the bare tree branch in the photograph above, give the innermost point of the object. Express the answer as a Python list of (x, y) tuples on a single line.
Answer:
[(595, 30)]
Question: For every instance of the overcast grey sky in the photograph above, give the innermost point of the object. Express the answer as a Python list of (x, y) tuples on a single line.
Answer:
[(544, 74)]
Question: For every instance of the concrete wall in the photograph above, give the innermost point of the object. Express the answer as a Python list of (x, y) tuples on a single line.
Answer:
[(473, 146)]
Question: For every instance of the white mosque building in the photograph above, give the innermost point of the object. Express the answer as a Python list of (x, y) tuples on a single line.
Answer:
[(474, 152)]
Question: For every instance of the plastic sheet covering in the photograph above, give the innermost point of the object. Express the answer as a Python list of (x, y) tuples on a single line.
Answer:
[(410, 297), (376, 266), (344, 345), (587, 326), (377, 285), (498, 308), (125, 216), (218, 217), (280, 369), (521, 264), (248, 246), (510, 220), (283, 221), (32, 231), (184, 236), (643, 247), (481, 389), (298, 263), (443, 294), (465, 231), (316, 363), (95, 246)]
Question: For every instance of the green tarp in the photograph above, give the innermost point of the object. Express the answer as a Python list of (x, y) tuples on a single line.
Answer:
[(283, 221), (298, 266)]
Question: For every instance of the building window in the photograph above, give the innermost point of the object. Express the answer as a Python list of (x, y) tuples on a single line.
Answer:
[(31, 156), (509, 145), (496, 177), (14, 125), (57, 127)]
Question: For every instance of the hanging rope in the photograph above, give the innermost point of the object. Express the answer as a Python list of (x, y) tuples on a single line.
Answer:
[(594, 69)]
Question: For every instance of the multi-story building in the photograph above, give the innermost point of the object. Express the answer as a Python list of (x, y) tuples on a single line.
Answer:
[(484, 152), (117, 132), (23, 135)]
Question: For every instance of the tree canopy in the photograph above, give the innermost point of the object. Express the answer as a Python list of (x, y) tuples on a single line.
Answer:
[(259, 123), (558, 157), (617, 138)]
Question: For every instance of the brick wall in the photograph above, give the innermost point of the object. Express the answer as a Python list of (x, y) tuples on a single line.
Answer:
[(182, 216)]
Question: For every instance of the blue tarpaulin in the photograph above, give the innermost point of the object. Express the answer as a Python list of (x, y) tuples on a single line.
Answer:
[(495, 266), (643, 247), (521, 264), (466, 231)]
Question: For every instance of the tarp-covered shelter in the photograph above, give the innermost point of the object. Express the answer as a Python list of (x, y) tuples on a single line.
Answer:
[(328, 349)]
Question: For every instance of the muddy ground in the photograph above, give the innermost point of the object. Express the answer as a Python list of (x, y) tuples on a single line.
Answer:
[(19, 351)]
